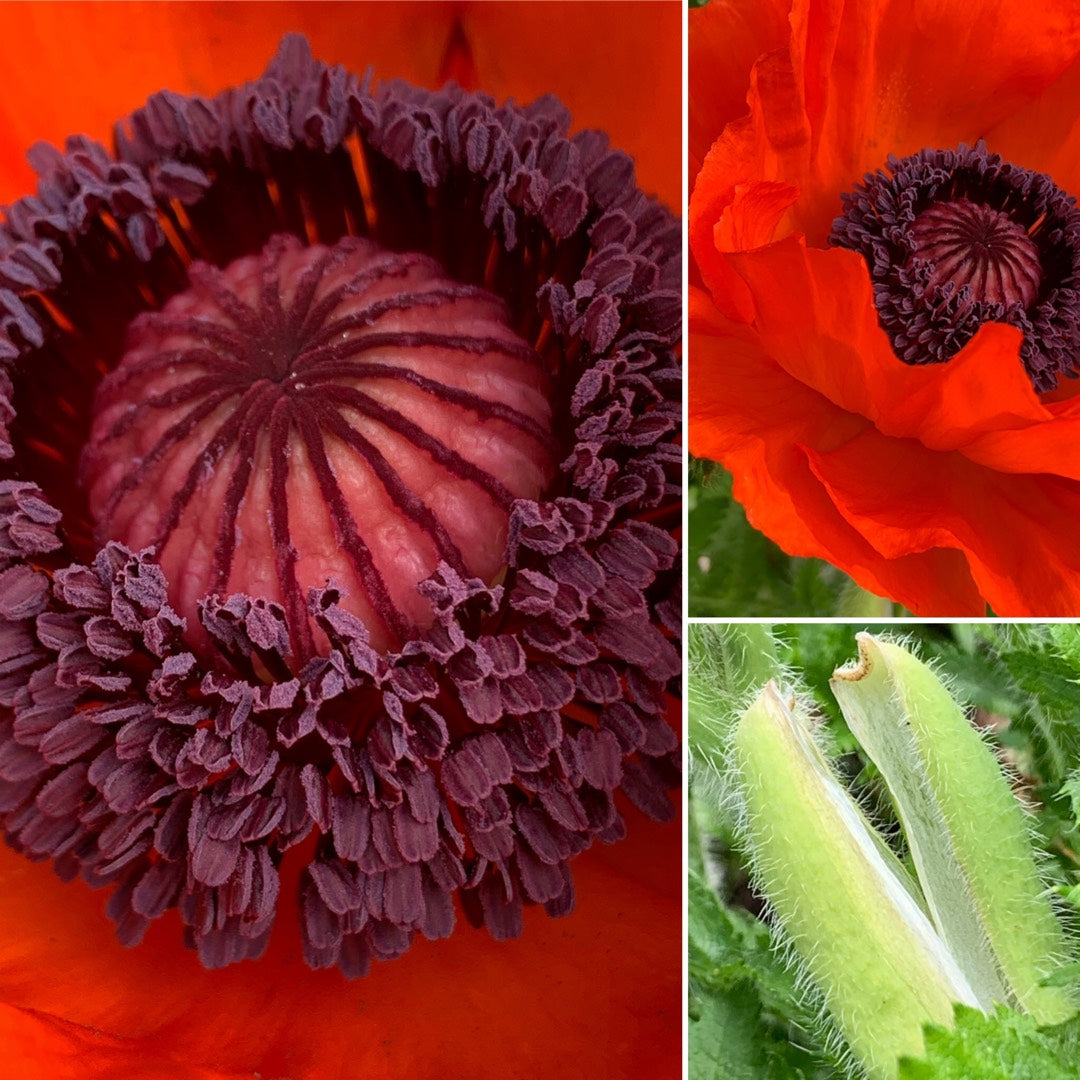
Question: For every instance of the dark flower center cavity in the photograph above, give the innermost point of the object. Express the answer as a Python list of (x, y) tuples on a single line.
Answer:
[(956, 238), (339, 472), (311, 415)]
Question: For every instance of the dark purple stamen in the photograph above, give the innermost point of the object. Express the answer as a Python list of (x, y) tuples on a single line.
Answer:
[(956, 238)]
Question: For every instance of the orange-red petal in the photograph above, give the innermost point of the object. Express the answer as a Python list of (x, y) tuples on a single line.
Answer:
[(1043, 134), (724, 39), (765, 426), (860, 82), (1010, 528), (617, 68), (42, 1047), (78, 67), (593, 994), (814, 312)]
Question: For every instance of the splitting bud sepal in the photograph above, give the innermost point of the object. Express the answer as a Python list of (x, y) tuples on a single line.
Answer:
[(842, 900), (964, 827)]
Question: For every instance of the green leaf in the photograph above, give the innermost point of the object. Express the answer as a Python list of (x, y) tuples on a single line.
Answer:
[(728, 663), (728, 946), (728, 1041), (744, 1007), (1054, 688), (1071, 790), (1005, 1046), (732, 569)]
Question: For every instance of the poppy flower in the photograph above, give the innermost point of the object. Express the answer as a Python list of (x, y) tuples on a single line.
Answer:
[(884, 343), (339, 590)]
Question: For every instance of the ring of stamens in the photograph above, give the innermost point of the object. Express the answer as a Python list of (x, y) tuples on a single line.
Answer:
[(465, 769), (957, 238)]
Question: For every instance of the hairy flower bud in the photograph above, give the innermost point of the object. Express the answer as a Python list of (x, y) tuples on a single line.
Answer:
[(842, 899), (963, 825)]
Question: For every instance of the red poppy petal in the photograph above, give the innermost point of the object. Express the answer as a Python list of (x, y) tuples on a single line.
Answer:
[(617, 69), (815, 313), (78, 67), (41, 1047), (887, 69), (859, 83), (598, 991), (1044, 133), (751, 219), (1008, 526), (750, 414), (730, 212), (1052, 448), (739, 32), (519, 50)]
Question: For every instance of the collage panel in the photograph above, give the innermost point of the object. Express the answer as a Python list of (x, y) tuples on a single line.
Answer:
[(884, 826), (341, 484), (883, 321)]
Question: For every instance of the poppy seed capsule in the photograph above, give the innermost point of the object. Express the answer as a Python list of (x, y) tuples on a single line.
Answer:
[(980, 249), (314, 415)]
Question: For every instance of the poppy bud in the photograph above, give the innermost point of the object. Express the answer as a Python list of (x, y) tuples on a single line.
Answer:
[(843, 901), (963, 825)]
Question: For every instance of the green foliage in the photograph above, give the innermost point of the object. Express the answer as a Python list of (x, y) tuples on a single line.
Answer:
[(1071, 790), (744, 1010), (727, 662), (1006, 1046), (1051, 682)]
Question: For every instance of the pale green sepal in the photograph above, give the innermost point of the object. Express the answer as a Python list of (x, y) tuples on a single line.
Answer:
[(837, 894), (964, 827)]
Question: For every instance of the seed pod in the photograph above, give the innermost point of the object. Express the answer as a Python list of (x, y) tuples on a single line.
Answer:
[(964, 826), (842, 899)]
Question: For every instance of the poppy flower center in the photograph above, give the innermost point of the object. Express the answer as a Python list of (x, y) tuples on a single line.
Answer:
[(311, 415), (978, 248), (368, 625), (957, 238)]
